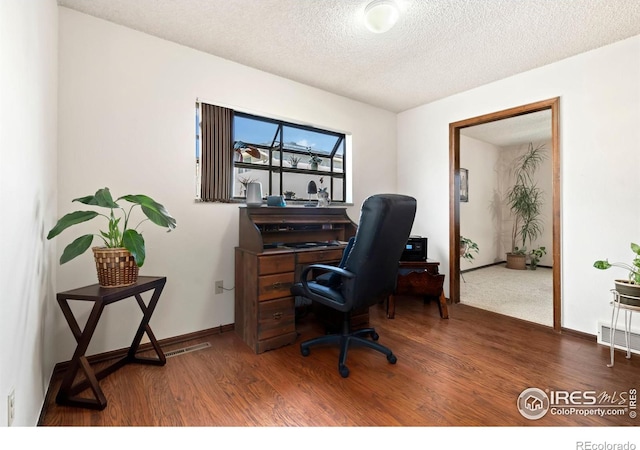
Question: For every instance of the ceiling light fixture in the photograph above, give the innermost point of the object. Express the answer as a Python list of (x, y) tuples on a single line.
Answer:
[(381, 15)]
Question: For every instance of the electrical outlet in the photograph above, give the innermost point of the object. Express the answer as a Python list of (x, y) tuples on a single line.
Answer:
[(219, 287), (11, 407)]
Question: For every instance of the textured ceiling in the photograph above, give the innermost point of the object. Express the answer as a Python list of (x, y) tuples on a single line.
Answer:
[(437, 48)]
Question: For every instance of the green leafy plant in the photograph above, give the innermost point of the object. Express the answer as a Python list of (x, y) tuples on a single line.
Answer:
[(525, 199), (519, 250), (119, 231), (633, 268), (536, 255), (468, 248), (315, 159)]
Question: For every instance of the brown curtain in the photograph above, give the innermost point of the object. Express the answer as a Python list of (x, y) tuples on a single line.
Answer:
[(217, 153)]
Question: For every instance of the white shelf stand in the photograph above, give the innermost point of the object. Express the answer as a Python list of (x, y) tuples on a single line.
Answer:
[(628, 313)]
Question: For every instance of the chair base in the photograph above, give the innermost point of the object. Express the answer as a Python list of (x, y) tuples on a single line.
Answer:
[(344, 340)]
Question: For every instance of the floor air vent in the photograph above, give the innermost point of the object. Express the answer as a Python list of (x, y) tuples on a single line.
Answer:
[(604, 330), (181, 351)]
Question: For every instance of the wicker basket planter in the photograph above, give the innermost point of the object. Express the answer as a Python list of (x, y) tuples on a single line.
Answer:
[(516, 261), (116, 267)]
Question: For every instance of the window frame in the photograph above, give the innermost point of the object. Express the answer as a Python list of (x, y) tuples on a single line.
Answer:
[(277, 145)]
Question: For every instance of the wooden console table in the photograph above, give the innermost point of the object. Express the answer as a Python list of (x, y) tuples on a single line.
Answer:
[(420, 278), (68, 393)]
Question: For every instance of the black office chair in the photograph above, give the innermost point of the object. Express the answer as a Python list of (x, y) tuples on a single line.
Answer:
[(303, 304), (369, 274)]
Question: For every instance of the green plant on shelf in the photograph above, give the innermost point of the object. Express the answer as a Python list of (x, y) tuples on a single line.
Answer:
[(120, 232), (314, 161), (633, 268), (294, 160)]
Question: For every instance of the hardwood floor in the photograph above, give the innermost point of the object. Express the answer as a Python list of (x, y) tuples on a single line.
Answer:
[(465, 371)]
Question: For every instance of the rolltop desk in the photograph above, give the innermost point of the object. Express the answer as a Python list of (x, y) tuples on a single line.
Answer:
[(275, 244)]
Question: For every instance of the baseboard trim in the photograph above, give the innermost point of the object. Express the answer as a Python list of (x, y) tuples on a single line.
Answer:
[(497, 264), (482, 267), (579, 334), (120, 353), (565, 331)]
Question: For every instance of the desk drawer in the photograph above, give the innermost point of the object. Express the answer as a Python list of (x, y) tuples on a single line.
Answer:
[(320, 256), (276, 317), (420, 283), (275, 286), (276, 264)]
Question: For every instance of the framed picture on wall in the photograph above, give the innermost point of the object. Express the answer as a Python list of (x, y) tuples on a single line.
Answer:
[(464, 185)]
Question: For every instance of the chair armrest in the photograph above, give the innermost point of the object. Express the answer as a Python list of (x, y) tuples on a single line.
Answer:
[(333, 269), (315, 291), (304, 281)]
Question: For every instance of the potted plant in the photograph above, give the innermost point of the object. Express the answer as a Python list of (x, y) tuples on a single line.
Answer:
[(536, 255), (631, 286), (467, 249), (323, 195), (123, 252), (289, 195), (525, 200), (244, 182), (314, 161), (294, 160)]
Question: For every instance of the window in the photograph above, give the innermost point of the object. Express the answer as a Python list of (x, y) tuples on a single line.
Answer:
[(284, 157)]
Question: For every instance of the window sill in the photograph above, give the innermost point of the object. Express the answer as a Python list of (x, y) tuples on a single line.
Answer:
[(293, 203)]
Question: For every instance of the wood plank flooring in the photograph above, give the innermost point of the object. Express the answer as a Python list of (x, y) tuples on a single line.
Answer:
[(465, 371)]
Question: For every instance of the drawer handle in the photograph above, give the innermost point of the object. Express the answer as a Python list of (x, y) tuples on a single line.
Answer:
[(280, 285), (277, 316)]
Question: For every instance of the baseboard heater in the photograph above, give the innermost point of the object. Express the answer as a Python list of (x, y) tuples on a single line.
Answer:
[(604, 337)]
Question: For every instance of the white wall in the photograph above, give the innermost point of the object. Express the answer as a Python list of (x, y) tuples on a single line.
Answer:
[(28, 103), (599, 143), (126, 121), (479, 218)]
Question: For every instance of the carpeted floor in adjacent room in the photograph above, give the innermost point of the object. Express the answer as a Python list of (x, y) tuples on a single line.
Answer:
[(524, 294)]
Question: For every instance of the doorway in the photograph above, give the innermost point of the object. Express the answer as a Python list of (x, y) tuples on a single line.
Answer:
[(551, 105)]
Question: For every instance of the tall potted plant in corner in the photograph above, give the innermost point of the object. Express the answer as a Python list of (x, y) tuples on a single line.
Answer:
[(525, 200), (123, 250)]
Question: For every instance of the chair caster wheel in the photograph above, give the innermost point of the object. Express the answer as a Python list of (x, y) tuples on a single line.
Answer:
[(392, 358), (375, 336), (344, 371), (305, 351)]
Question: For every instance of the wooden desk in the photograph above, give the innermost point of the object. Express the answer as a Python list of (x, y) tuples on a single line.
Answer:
[(101, 297), (268, 263), (421, 278)]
